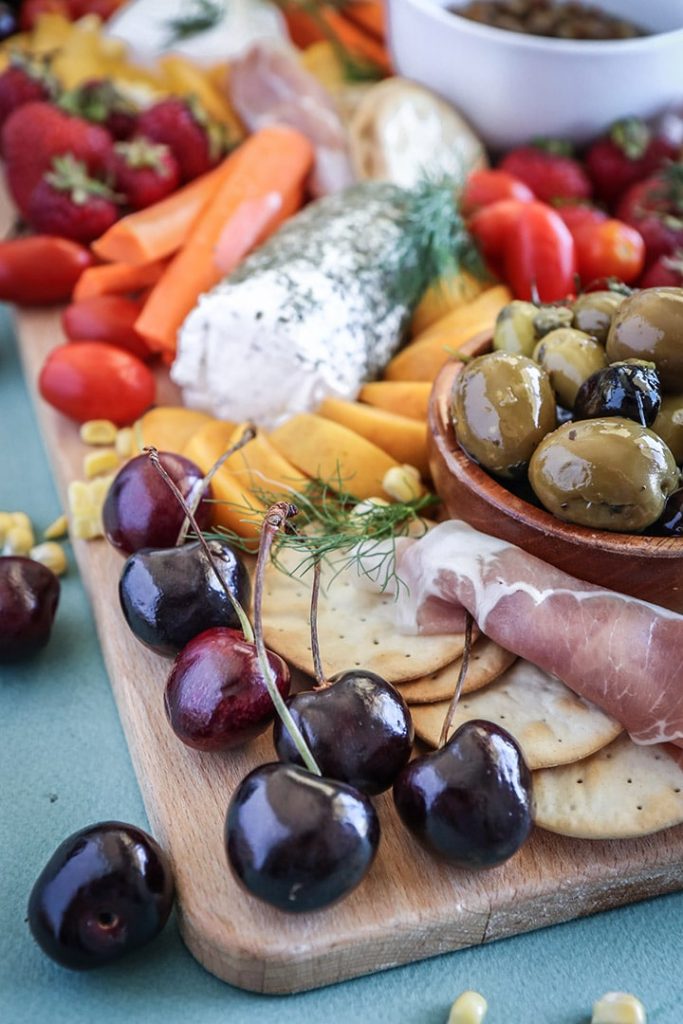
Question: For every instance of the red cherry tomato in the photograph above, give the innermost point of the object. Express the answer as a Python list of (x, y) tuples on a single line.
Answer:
[(609, 249), (577, 215), (41, 269), (491, 226), (539, 255), (109, 318), (93, 380), (485, 187)]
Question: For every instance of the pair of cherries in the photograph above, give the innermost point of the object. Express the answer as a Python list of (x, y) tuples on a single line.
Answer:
[(301, 832)]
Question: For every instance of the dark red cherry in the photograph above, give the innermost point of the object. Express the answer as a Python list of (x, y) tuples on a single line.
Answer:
[(105, 891), (140, 511), (470, 801), (216, 697), (358, 728), (299, 841), (170, 595), (29, 595)]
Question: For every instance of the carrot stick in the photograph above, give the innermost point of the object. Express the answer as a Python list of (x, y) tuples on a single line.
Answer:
[(302, 29), (368, 15), (358, 41), (262, 187), (116, 279), (161, 229)]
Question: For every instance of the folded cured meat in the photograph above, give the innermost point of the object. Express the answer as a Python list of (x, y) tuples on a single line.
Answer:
[(621, 653)]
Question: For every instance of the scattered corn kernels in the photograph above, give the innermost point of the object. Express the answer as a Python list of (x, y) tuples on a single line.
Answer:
[(403, 483), (51, 555), (86, 499), (618, 1008), (124, 443), (98, 432), (97, 463), (18, 540), (59, 528), (5, 524), (468, 1008)]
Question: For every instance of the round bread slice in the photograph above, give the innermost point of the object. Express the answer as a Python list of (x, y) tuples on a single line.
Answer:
[(487, 661), (622, 792), (551, 724), (356, 625)]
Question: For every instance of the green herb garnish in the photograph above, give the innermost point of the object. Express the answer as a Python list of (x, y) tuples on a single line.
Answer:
[(200, 16), (355, 67)]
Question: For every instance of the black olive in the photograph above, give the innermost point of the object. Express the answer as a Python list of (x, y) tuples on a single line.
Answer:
[(630, 389), (670, 523)]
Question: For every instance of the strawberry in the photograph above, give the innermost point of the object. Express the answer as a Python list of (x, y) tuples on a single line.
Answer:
[(37, 132), (627, 154), (655, 208), (548, 171), (31, 10), (68, 203), (99, 101), (666, 272), (196, 142), (144, 172), (104, 9), (24, 81)]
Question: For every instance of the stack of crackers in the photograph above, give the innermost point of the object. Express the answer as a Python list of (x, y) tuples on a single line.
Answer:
[(590, 780)]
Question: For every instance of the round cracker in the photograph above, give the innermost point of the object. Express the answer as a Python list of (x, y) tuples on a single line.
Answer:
[(624, 791), (487, 661), (551, 723), (356, 626)]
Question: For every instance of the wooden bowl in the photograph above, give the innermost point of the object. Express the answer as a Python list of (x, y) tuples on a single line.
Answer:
[(650, 568)]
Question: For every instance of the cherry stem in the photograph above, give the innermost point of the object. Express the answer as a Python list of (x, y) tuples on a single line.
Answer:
[(248, 435), (239, 610), (464, 665), (276, 517), (320, 679)]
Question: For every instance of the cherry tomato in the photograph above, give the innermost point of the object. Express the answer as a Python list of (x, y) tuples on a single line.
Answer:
[(491, 226), (540, 255), (485, 187), (93, 380), (609, 249), (577, 215), (109, 318), (41, 269)]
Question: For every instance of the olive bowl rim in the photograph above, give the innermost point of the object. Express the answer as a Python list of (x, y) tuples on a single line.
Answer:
[(503, 502)]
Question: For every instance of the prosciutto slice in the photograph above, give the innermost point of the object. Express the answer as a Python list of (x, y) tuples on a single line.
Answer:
[(621, 653)]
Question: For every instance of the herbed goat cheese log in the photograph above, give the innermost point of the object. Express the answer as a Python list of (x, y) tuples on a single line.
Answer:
[(316, 311)]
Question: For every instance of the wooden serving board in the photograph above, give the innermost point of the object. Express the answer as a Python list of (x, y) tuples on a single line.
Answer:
[(409, 907)]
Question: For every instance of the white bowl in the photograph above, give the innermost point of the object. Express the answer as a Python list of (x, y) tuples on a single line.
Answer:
[(514, 87)]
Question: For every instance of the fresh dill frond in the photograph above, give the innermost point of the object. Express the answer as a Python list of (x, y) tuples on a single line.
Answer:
[(200, 16), (335, 527)]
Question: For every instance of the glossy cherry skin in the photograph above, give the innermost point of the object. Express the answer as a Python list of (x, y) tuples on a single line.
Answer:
[(141, 512), (470, 801), (105, 891), (358, 728), (298, 841), (29, 595), (170, 595), (216, 697)]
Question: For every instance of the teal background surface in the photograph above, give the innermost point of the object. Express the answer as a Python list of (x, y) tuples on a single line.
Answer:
[(64, 764)]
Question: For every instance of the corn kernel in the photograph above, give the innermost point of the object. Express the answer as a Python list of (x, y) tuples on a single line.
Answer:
[(98, 432), (18, 541), (618, 1008), (21, 519), (51, 555), (403, 483), (85, 506), (5, 524), (124, 443), (57, 529), (468, 1008), (97, 463)]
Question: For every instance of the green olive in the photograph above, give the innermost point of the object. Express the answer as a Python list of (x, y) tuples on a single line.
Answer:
[(503, 405), (514, 331), (551, 318), (593, 312), (669, 424), (649, 325), (609, 473), (569, 357)]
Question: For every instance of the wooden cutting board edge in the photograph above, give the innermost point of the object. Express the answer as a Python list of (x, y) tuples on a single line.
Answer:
[(417, 907)]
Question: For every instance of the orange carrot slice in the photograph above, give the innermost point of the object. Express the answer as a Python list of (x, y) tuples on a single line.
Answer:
[(263, 187), (160, 230), (368, 15), (116, 279)]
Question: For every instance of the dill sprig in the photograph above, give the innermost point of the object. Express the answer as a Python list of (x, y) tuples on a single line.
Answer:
[(200, 16), (334, 526)]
